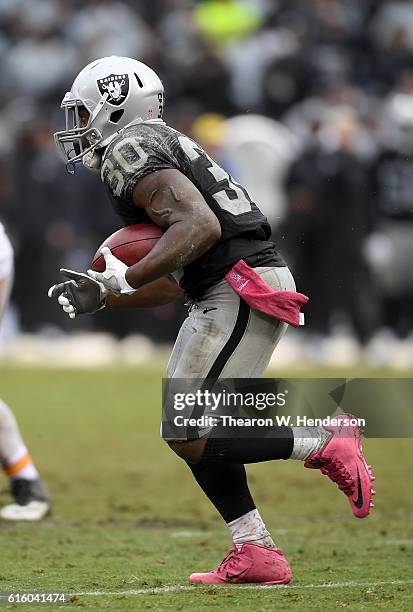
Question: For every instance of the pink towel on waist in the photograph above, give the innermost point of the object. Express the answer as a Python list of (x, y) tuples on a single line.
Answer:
[(283, 305)]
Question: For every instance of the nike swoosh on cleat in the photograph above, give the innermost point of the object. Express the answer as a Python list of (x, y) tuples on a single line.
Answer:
[(317, 463), (231, 577), (359, 501)]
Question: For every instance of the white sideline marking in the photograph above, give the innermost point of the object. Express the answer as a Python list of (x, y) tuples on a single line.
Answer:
[(180, 587), (188, 534)]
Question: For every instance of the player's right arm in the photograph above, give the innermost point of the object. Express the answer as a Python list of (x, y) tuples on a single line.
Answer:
[(173, 202)]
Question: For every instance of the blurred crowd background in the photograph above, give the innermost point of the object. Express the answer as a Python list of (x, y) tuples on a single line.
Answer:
[(308, 103)]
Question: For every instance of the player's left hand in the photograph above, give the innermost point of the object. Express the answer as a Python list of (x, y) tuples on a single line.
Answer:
[(113, 278), (79, 295)]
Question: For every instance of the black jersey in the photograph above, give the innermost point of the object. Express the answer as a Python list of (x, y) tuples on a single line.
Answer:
[(245, 233)]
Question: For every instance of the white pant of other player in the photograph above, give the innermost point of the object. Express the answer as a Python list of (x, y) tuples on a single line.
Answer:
[(32, 501)]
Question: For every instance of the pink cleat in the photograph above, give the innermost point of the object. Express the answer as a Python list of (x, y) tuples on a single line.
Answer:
[(253, 563), (341, 459)]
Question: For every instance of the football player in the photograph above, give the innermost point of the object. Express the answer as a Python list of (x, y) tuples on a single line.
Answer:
[(31, 500), (214, 237)]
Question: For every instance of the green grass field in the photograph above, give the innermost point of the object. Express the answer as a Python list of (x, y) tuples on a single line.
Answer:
[(129, 522)]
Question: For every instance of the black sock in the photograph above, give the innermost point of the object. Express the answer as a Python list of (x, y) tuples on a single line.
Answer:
[(226, 487), (240, 448)]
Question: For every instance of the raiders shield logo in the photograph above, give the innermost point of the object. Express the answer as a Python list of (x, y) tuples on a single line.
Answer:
[(116, 85)]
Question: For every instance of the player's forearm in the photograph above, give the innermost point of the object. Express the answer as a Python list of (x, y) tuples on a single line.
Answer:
[(157, 293), (182, 243)]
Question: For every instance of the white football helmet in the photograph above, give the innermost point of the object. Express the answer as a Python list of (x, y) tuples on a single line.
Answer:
[(116, 91)]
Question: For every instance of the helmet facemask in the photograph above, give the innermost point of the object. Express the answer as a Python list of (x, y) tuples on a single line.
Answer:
[(77, 140)]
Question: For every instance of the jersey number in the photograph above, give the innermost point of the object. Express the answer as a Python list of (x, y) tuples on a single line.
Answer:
[(130, 157), (238, 204)]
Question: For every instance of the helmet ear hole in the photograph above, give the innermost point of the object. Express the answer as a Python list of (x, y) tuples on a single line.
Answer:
[(116, 116)]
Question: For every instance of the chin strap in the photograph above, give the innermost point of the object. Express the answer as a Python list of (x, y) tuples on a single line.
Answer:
[(92, 161)]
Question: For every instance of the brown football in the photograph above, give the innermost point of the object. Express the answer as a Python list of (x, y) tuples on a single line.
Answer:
[(129, 244)]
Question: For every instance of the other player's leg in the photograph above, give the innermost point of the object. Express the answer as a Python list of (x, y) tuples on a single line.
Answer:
[(31, 499)]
